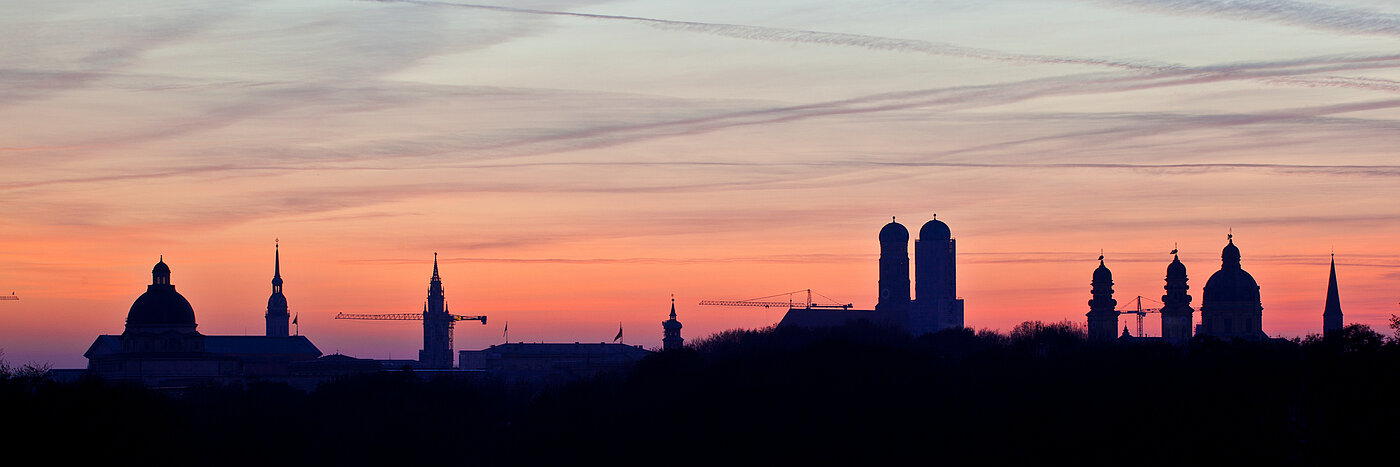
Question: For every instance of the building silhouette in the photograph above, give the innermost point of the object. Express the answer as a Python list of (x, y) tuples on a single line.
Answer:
[(1177, 314), (437, 325), (936, 303), (894, 269), (1230, 306), (1332, 312), (1103, 315), (936, 307), (161, 346), (671, 331), (278, 317)]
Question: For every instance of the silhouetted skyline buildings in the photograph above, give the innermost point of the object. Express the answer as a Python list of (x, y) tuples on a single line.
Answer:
[(161, 344), (162, 347), (1230, 309), (936, 307)]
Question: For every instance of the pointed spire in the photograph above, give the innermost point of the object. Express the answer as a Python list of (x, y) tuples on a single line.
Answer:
[(673, 306), (435, 269), (1332, 313), (276, 264)]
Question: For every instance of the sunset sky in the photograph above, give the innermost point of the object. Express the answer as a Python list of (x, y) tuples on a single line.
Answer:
[(574, 163)]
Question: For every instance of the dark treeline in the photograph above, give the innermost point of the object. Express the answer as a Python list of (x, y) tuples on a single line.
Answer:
[(859, 394)]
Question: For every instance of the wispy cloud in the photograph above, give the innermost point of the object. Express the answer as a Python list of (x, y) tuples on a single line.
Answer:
[(1346, 20), (772, 34)]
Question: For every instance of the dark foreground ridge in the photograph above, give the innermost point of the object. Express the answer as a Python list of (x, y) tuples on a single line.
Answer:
[(858, 394)]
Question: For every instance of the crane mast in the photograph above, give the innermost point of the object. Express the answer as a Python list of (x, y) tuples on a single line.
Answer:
[(1140, 312)]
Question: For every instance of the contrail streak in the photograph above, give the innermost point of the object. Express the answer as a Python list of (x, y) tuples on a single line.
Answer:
[(772, 34), (1305, 14)]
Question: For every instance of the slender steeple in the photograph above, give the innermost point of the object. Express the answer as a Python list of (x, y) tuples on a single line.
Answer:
[(277, 268), (277, 313), (1103, 316), (671, 331), (1332, 314)]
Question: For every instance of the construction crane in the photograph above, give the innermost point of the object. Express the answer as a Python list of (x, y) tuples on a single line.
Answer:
[(1140, 312), (790, 303), (437, 331), (404, 317), (11, 296)]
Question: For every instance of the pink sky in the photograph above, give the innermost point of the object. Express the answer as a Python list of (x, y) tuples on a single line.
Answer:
[(576, 163)]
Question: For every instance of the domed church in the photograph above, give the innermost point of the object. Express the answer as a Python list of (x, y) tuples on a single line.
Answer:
[(161, 347), (1230, 307)]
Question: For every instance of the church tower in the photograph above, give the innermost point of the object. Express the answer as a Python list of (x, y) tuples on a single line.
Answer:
[(1177, 314), (671, 331), (936, 306), (437, 325), (1332, 314), (277, 314), (1103, 315), (894, 269)]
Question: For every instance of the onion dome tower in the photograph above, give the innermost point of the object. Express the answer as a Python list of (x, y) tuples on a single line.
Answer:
[(161, 320), (894, 268), (1103, 313), (1332, 314), (437, 325), (1230, 306), (671, 336), (1177, 313), (277, 315), (936, 305)]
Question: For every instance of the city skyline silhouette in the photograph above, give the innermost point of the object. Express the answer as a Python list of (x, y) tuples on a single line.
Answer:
[(577, 164)]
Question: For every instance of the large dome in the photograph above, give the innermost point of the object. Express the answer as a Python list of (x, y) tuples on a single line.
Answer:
[(894, 232), (1231, 283), (161, 306), (935, 230)]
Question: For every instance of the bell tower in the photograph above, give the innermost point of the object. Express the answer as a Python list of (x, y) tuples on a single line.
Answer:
[(1177, 313), (1103, 316), (894, 268)]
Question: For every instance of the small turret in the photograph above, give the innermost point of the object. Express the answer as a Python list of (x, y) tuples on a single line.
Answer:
[(671, 331)]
